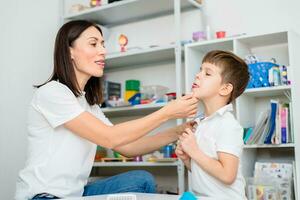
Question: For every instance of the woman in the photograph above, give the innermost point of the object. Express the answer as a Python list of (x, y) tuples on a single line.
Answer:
[(66, 124)]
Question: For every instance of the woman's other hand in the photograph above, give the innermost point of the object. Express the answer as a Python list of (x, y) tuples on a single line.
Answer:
[(181, 128)]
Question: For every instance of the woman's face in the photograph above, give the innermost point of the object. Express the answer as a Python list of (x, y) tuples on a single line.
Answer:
[(88, 54)]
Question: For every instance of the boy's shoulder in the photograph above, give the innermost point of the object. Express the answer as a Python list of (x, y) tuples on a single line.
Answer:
[(228, 121)]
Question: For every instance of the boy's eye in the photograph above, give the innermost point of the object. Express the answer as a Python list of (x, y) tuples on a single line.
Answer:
[(207, 74), (93, 44)]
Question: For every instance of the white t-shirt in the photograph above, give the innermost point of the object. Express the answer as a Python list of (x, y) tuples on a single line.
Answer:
[(59, 162), (219, 132)]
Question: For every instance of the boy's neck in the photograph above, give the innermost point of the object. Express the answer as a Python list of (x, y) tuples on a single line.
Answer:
[(213, 105)]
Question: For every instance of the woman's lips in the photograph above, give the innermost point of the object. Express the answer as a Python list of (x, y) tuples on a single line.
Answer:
[(100, 63)]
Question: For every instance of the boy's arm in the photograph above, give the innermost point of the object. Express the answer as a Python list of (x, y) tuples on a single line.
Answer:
[(224, 169)]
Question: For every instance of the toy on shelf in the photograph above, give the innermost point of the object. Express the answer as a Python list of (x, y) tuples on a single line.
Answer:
[(199, 36), (221, 34), (188, 196), (132, 92), (123, 41), (100, 153), (266, 74), (94, 3), (77, 8), (154, 94)]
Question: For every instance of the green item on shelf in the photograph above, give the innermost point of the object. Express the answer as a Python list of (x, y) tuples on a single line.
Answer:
[(117, 155), (133, 85)]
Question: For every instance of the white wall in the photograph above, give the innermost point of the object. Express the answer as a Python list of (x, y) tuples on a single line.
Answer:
[(255, 16), (27, 30)]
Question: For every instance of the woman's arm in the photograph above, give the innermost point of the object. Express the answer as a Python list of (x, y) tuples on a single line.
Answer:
[(151, 143), (94, 130)]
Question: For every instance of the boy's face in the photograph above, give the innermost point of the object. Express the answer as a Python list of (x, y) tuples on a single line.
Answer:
[(208, 82)]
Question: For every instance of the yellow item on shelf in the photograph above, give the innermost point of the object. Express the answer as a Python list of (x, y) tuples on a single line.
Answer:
[(129, 94)]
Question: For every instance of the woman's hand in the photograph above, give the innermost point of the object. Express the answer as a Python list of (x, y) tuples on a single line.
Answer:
[(183, 107), (181, 128), (180, 153)]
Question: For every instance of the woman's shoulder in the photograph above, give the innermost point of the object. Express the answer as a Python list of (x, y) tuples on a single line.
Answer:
[(53, 88)]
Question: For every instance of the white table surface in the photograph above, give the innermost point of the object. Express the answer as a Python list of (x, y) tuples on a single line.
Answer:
[(139, 196)]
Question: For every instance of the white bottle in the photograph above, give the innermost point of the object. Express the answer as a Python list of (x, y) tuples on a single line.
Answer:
[(208, 33)]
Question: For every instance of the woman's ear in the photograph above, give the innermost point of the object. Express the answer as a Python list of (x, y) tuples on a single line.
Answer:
[(71, 53), (226, 89)]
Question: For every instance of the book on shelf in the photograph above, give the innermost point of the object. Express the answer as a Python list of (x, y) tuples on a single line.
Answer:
[(271, 180), (274, 125)]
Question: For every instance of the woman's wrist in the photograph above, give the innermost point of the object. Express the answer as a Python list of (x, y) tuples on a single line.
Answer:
[(163, 114)]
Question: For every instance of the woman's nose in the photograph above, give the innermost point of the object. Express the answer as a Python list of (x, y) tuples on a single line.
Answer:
[(102, 51)]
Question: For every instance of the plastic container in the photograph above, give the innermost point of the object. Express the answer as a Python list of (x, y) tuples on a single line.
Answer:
[(153, 92)]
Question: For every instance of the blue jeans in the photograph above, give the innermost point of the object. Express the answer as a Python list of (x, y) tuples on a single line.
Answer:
[(132, 181)]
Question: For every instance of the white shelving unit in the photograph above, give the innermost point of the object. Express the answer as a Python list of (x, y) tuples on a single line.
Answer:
[(136, 10), (284, 46), (127, 11), (136, 164), (133, 110), (140, 57)]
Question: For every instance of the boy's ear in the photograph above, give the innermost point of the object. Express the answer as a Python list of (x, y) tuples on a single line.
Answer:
[(226, 89)]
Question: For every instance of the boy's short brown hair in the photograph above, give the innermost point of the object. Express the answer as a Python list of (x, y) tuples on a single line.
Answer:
[(234, 70)]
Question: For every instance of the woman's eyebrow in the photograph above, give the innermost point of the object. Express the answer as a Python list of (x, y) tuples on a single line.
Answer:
[(95, 38)]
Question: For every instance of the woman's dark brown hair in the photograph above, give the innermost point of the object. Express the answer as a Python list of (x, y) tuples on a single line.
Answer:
[(63, 67)]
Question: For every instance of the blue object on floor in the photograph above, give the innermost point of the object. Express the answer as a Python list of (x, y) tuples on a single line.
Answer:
[(188, 196)]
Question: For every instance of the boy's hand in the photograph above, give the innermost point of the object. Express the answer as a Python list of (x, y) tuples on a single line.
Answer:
[(180, 153), (188, 142)]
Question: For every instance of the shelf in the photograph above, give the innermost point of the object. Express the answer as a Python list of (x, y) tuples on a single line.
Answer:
[(267, 91), (267, 39), (140, 57), (141, 109), (135, 164), (123, 12), (205, 46), (255, 146)]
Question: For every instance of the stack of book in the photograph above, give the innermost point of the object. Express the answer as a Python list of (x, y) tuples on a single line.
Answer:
[(271, 181), (273, 126)]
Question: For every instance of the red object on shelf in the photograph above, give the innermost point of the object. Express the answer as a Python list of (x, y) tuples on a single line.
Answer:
[(146, 101), (221, 34), (173, 155)]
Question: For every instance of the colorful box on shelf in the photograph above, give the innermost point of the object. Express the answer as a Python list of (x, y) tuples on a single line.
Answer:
[(259, 74), (265, 74)]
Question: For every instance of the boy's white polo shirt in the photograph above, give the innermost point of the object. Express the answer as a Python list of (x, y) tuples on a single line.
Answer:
[(219, 132)]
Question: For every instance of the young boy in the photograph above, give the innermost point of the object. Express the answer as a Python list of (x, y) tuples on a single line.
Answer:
[(212, 153)]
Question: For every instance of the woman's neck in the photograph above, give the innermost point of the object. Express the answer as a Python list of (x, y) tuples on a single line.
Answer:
[(81, 80)]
